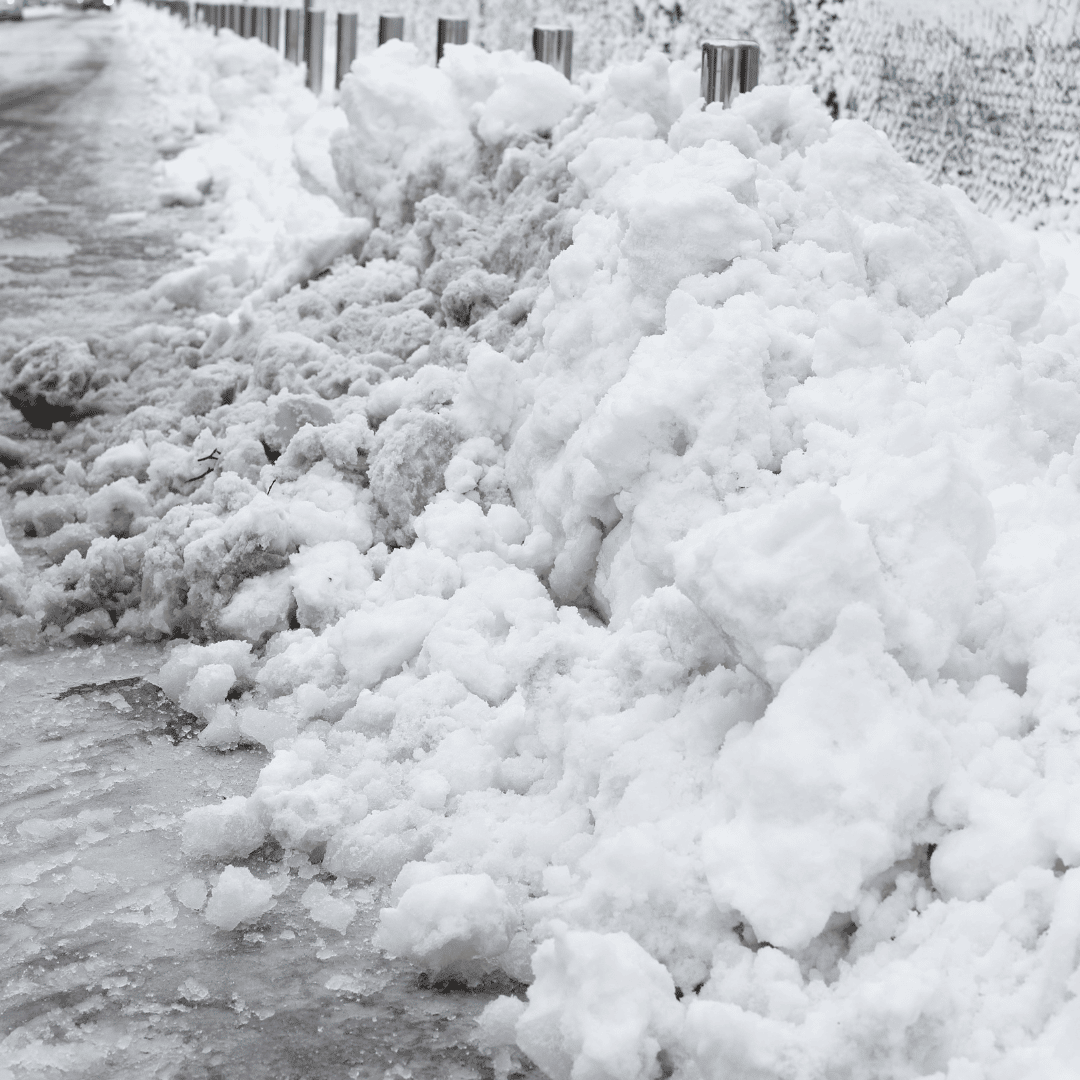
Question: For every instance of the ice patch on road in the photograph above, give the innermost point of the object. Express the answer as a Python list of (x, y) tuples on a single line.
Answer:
[(43, 246), (26, 201)]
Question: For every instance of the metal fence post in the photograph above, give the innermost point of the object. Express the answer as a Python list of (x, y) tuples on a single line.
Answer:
[(314, 25), (728, 69), (555, 46), (274, 30), (391, 26), (451, 32), (346, 45), (294, 35)]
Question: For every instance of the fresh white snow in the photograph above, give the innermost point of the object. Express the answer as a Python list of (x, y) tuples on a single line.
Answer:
[(644, 537)]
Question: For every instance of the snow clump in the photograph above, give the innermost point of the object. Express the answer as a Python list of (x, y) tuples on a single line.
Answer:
[(238, 897), (47, 381), (447, 924)]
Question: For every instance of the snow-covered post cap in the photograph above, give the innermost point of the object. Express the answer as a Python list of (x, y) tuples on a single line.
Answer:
[(728, 69), (391, 26), (554, 45), (451, 32)]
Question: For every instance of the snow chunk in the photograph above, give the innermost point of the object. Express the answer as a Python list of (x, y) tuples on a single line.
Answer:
[(328, 580), (532, 97), (10, 560), (827, 789), (185, 661), (227, 830), (121, 508), (209, 687), (259, 608), (449, 924), (374, 644), (47, 379), (185, 180), (407, 467), (601, 1008), (238, 897), (775, 578), (128, 459)]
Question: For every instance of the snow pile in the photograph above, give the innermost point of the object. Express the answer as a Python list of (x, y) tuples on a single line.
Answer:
[(241, 127), (408, 120), (652, 555)]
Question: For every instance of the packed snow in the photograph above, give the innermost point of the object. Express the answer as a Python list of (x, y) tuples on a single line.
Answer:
[(642, 534)]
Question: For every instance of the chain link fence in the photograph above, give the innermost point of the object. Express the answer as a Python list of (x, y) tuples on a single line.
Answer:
[(985, 96)]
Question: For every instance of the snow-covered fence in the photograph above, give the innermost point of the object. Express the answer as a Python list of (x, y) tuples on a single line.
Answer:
[(304, 32), (982, 95), (294, 31), (314, 46), (263, 23)]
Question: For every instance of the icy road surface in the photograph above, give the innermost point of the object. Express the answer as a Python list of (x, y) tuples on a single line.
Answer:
[(109, 969), (78, 231)]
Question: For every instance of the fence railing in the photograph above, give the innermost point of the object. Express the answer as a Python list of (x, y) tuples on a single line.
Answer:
[(728, 68)]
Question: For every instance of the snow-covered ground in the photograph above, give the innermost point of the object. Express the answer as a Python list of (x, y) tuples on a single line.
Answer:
[(643, 536)]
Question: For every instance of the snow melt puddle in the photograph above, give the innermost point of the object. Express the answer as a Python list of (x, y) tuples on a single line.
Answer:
[(110, 964)]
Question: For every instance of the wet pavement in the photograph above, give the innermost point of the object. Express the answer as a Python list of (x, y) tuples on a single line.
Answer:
[(108, 967), (80, 229)]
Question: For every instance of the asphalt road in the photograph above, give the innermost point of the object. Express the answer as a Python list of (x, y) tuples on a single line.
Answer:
[(107, 968), (52, 53)]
